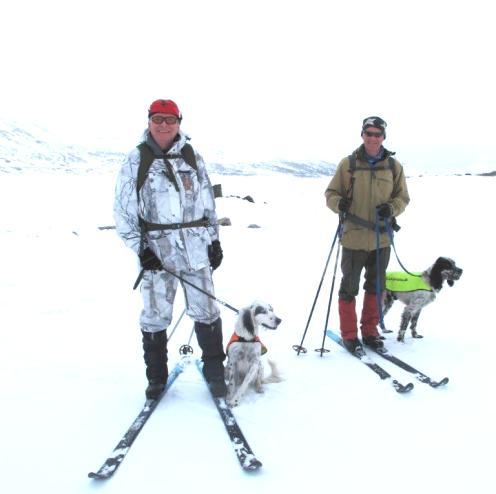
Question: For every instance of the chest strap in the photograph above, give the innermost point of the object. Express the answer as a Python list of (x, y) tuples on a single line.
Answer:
[(153, 227), (366, 224)]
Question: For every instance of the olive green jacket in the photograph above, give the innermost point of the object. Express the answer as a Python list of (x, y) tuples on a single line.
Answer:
[(371, 186)]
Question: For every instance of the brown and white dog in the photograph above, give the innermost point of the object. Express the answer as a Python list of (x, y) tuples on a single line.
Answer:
[(244, 352), (417, 291)]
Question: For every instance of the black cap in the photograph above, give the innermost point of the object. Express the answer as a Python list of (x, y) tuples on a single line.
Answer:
[(374, 122)]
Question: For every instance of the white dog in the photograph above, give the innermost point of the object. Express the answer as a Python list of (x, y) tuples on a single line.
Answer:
[(244, 350)]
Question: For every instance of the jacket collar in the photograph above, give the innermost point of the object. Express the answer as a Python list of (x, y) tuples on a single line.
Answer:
[(362, 155), (176, 147)]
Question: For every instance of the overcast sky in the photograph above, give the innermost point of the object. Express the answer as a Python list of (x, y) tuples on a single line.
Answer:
[(259, 79)]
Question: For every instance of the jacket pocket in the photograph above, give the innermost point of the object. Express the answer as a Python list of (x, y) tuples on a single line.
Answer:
[(189, 181)]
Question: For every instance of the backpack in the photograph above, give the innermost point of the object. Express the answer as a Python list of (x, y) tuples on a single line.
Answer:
[(147, 156), (352, 159), (355, 219)]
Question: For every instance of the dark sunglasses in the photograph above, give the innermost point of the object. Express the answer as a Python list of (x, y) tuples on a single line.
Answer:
[(373, 134), (157, 119)]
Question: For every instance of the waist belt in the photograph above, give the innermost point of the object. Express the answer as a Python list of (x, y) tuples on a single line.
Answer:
[(367, 224), (153, 227)]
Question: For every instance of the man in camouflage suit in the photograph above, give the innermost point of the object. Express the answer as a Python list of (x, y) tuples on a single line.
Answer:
[(171, 223), (368, 187)]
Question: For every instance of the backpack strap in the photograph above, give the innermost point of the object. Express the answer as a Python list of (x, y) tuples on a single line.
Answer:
[(146, 159), (188, 155), (147, 156), (352, 160), (352, 165), (392, 164), (352, 168)]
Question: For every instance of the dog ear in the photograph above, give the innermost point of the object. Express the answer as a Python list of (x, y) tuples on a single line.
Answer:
[(248, 322), (435, 278)]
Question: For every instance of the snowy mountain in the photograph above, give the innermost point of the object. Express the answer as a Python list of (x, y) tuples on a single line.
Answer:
[(296, 168), (27, 147)]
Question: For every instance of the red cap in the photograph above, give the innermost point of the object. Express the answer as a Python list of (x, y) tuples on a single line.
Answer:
[(164, 106)]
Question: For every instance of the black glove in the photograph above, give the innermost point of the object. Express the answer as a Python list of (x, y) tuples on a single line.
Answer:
[(384, 210), (149, 260), (344, 204), (215, 254)]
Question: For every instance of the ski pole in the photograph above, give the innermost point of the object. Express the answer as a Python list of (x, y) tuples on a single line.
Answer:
[(187, 349), (177, 324), (322, 349), (139, 278), (225, 304), (339, 233), (300, 348), (378, 278)]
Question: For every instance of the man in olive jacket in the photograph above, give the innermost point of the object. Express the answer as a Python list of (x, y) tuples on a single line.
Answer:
[(368, 187)]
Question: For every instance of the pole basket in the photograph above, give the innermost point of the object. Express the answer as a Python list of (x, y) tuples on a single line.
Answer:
[(185, 350), (299, 349), (322, 350)]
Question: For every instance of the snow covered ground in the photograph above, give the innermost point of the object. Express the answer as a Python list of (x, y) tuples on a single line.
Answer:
[(72, 376)]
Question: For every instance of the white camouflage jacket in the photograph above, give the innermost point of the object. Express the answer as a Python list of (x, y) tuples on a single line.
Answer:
[(160, 202)]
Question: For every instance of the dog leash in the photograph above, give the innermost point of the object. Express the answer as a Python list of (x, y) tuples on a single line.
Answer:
[(378, 288), (208, 294), (391, 235)]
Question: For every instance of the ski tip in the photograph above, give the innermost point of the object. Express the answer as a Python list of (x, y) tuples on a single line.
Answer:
[(97, 476), (442, 382), (400, 388), (252, 466)]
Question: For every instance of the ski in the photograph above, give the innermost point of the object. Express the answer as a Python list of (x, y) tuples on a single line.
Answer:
[(120, 451), (244, 453), (418, 375), (382, 373)]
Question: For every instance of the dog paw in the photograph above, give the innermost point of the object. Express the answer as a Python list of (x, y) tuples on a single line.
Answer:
[(416, 335)]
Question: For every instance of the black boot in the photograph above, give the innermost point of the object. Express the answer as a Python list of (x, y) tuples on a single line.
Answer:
[(354, 346), (209, 338), (375, 342), (155, 354)]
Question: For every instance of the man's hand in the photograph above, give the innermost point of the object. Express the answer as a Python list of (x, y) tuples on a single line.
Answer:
[(384, 210), (344, 204), (215, 254), (149, 261)]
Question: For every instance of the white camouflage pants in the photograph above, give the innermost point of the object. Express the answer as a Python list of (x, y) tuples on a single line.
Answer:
[(158, 290)]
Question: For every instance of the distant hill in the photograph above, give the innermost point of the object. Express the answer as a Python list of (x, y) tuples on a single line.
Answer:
[(29, 148), (297, 168)]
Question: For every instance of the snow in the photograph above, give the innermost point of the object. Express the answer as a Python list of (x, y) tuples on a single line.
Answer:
[(72, 374)]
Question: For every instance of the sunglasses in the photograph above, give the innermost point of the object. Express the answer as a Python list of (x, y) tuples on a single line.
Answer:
[(373, 134), (157, 119)]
